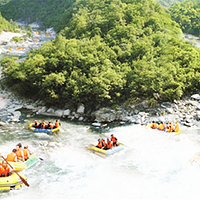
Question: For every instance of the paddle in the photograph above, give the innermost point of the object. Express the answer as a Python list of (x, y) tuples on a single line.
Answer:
[(23, 180)]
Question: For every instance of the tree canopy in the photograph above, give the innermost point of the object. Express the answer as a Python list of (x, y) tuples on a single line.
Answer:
[(109, 52), (7, 26), (187, 15)]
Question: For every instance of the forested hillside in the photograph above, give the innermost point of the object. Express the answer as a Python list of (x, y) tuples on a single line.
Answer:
[(187, 14), (7, 26), (110, 52), (45, 12)]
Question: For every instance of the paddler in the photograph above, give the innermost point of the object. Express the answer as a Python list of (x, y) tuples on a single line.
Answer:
[(57, 124), (12, 157), (161, 126), (49, 125), (5, 169), (169, 128), (176, 129), (114, 140), (36, 124), (19, 153), (153, 125), (108, 145), (26, 153), (99, 145)]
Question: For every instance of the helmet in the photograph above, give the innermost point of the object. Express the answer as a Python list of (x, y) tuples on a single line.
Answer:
[(99, 140), (111, 135)]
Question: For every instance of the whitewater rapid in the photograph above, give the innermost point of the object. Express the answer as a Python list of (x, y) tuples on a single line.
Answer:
[(151, 166)]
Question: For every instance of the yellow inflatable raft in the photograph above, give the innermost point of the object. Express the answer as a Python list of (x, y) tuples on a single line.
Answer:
[(40, 130), (104, 153), (11, 182), (19, 166)]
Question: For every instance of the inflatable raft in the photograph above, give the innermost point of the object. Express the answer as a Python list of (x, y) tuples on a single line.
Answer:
[(19, 166), (105, 153), (11, 182), (165, 133), (40, 130)]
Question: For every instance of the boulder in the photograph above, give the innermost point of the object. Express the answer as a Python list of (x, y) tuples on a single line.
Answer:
[(50, 110), (195, 97), (81, 109), (59, 113), (66, 112)]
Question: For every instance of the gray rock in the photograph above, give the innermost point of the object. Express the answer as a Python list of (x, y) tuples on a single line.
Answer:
[(66, 112), (81, 109), (30, 107), (59, 113), (42, 110), (50, 110), (195, 96)]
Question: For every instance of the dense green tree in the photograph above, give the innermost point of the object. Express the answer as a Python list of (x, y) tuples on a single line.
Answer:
[(187, 15), (7, 26), (107, 53)]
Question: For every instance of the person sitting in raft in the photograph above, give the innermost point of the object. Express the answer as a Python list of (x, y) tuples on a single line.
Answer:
[(114, 141), (169, 128), (49, 126), (103, 142), (153, 125), (108, 145), (57, 124), (12, 157), (26, 153), (42, 125), (36, 124), (176, 129), (19, 152), (99, 145), (4, 169), (161, 126)]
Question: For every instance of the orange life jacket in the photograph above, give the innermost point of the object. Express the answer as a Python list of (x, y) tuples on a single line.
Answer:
[(113, 139), (36, 124), (57, 124), (12, 157), (99, 144), (154, 125), (109, 145), (42, 126), (161, 127), (20, 154), (169, 128), (4, 170), (50, 126), (26, 153)]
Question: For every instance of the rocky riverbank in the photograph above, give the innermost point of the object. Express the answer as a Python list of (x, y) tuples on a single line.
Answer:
[(186, 112), (26, 43)]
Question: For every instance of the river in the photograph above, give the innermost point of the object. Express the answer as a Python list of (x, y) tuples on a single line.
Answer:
[(152, 165)]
